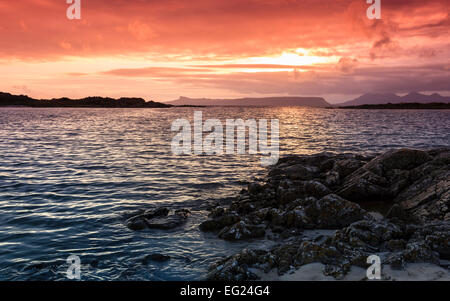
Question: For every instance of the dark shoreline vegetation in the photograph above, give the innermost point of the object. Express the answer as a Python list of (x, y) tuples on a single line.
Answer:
[(401, 106), (9, 100), (409, 188)]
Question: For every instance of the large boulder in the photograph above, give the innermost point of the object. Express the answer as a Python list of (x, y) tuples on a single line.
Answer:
[(429, 197), (363, 186), (367, 234), (347, 166), (220, 219), (236, 268), (383, 177), (404, 158), (242, 230), (329, 212), (301, 172), (315, 189), (333, 211)]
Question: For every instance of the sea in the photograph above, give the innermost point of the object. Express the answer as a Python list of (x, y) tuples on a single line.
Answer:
[(70, 176)]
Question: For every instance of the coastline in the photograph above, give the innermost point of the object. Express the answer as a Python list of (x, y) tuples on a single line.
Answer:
[(394, 205), (9, 100), (400, 106)]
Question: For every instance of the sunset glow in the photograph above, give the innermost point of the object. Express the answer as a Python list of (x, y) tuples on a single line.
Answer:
[(163, 49)]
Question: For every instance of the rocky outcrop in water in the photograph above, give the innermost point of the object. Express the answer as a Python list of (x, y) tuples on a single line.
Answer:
[(159, 218), (411, 188)]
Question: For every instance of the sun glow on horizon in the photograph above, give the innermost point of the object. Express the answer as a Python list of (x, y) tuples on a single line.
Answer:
[(298, 58)]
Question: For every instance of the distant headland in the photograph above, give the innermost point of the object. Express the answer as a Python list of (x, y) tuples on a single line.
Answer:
[(402, 106), (391, 98), (249, 102), (9, 100)]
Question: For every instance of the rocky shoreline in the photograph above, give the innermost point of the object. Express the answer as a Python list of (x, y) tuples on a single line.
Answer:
[(395, 205), (330, 210)]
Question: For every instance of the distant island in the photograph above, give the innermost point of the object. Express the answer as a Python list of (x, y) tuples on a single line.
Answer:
[(391, 98), (411, 105), (9, 100), (412, 100), (263, 101)]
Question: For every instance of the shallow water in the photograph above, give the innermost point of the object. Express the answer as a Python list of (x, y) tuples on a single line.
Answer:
[(68, 176)]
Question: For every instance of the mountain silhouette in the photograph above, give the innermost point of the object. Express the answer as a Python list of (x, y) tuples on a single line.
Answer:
[(412, 97)]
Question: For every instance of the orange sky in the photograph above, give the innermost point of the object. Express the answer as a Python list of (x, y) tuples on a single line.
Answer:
[(161, 49)]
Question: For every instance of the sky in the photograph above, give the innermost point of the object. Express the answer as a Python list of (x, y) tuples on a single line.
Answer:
[(163, 49)]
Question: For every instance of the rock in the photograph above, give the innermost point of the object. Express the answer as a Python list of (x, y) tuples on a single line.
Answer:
[(383, 177), (441, 157), (414, 252), (167, 223), (322, 192), (301, 172), (156, 257), (347, 166), (394, 245), (428, 198), (136, 223), (368, 234), (329, 212), (399, 215), (332, 178), (404, 158), (151, 213), (219, 222), (170, 221), (316, 189), (242, 230), (363, 186), (327, 165), (157, 219), (277, 217), (217, 212), (349, 246), (311, 251), (235, 268), (183, 213), (447, 217), (289, 195), (254, 188), (336, 212), (297, 218), (209, 225), (436, 236)]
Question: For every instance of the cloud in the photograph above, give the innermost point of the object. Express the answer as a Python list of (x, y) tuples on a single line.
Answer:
[(258, 66), (202, 27), (399, 79), (154, 72), (140, 30), (347, 64)]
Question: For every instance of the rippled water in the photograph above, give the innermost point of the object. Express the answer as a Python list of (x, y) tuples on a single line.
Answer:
[(68, 176)]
